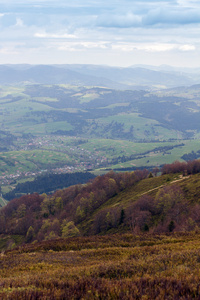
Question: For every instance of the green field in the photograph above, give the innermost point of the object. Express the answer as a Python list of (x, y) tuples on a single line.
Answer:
[(143, 128), (113, 148), (32, 160), (60, 151), (44, 127)]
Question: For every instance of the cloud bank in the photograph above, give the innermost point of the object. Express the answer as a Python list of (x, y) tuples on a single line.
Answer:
[(94, 31)]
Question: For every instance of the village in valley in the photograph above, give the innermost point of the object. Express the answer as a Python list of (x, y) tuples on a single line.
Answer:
[(80, 158)]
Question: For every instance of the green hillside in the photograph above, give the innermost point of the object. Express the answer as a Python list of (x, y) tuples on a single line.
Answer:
[(97, 112)]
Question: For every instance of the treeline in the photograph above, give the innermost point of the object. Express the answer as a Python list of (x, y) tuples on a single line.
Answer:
[(122, 159), (186, 168), (48, 183), (6, 140), (191, 156), (43, 217)]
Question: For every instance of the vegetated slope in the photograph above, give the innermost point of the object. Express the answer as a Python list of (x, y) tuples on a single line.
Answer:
[(104, 267), (111, 203), (99, 112)]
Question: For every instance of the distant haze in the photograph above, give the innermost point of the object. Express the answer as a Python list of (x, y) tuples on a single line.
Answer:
[(135, 77)]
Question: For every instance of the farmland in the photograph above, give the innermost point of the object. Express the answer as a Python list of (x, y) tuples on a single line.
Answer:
[(63, 128)]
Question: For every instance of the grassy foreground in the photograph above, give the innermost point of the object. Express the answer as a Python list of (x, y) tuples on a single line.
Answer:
[(104, 267)]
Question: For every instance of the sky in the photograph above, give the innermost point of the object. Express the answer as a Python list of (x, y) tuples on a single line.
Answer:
[(108, 32)]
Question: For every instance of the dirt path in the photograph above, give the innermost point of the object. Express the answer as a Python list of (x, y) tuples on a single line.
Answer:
[(3, 200), (160, 186)]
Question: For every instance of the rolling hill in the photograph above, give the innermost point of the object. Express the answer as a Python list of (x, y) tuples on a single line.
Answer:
[(44, 127), (93, 75)]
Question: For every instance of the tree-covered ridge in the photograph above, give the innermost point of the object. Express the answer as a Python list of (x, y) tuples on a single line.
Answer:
[(186, 168), (49, 183), (136, 201), (44, 217)]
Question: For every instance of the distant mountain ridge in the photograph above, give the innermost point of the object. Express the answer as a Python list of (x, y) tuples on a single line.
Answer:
[(48, 74), (137, 77)]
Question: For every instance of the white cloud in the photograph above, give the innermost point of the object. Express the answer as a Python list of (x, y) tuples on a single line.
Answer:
[(8, 51), (80, 46), (100, 28), (159, 16), (188, 3), (54, 36), (156, 47), (187, 48), (19, 22)]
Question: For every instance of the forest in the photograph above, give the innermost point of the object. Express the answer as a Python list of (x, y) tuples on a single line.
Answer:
[(138, 201), (48, 183)]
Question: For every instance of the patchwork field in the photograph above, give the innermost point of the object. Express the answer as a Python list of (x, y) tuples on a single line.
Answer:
[(82, 154), (71, 128)]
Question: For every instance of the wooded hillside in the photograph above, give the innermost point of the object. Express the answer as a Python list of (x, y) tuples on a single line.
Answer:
[(116, 202)]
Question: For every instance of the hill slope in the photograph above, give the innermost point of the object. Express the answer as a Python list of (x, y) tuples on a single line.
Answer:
[(111, 203), (109, 267)]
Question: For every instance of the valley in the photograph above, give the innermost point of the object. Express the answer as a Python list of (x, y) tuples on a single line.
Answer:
[(99, 189), (65, 129)]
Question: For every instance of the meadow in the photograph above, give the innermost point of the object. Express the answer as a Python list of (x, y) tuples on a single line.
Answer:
[(32, 160)]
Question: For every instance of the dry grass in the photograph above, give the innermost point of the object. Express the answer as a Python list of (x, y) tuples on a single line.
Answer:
[(112, 267)]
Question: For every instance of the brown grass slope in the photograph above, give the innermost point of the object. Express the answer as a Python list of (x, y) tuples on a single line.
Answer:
[(121, 266)]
